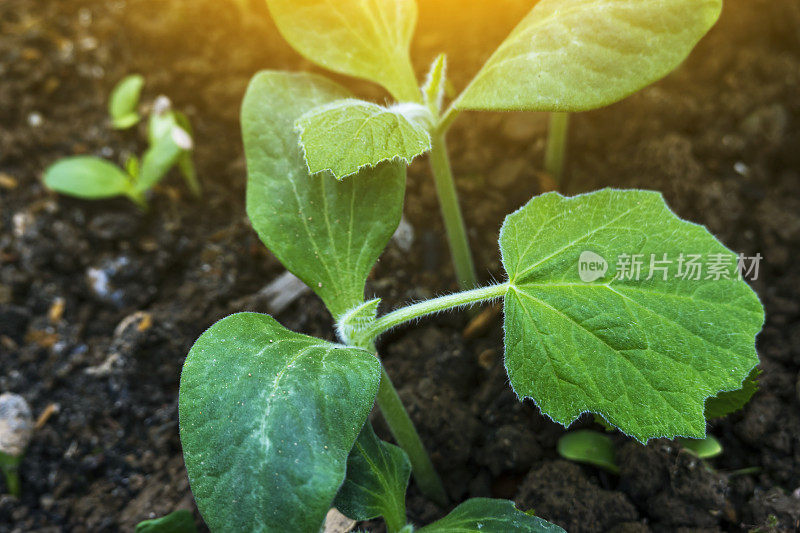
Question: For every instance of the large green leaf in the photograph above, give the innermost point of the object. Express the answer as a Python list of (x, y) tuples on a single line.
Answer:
[(486, 515), (376, 482), (124, 100), (347, 135), (267, 420), (575, 55), (645, 354), (364, 38), (328, 233), (88, 177)]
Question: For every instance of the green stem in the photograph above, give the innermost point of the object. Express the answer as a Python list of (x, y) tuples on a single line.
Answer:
[(406, 435), (435, 305), (408, 439), (557, 145), (11, 471), (453, 220)]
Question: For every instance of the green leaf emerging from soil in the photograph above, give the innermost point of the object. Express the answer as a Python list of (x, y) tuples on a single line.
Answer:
[(376, 482), (124, 100), (364, 38), (346, 136), (329, 233), (703, 448), (643, 353), (589, 447), (486, 515), (178, 522), (268, 418), (575, 55), (88, 177)]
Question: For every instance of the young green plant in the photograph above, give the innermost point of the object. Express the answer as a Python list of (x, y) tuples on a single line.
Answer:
[(16, 431), (270, 419), (170, 145), (565, 56)]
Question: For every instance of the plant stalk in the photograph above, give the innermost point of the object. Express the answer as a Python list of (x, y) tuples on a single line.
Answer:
[(451, 212), (10, 468), (555, 155), (435, 305), (408, 439)]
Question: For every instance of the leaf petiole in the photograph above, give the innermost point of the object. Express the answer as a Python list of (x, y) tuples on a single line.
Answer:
[(429, 307)]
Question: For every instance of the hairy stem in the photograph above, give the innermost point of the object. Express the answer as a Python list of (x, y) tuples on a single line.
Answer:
[(435, 305), (555, 156), (451, 212), (408, 439)]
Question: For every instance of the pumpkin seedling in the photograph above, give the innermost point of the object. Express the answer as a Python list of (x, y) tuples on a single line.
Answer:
[(170, 145), (270, 418), (565, 56), (16, 430)]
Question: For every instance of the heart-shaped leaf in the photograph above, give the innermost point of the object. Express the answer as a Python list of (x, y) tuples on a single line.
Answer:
[(485, 515), (376, 482), (348, 135), (364, 38), (268, 418), (604, 314), (328, 233), (575, 55)]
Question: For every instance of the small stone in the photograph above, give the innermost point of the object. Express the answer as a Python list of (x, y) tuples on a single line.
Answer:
[(336, 522), (35, 119), (404, 236), (16, 424)]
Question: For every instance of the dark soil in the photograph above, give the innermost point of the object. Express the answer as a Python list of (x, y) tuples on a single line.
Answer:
[(720, 137)]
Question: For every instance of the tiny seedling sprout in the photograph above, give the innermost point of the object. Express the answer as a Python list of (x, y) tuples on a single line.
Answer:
[(16, 431), (170, 145)]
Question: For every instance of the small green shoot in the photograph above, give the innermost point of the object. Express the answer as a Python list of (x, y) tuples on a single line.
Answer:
[(9, 465), (590, 447), (16, 431), (93, 178), (706, 448), (124, 101), (181, 521)]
